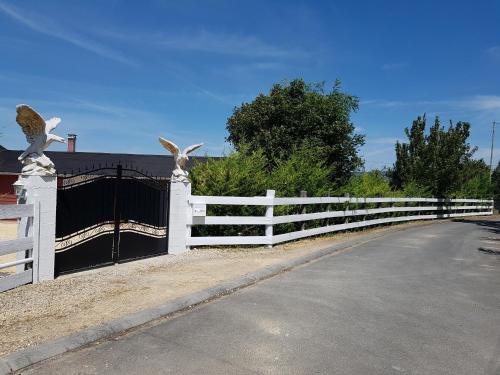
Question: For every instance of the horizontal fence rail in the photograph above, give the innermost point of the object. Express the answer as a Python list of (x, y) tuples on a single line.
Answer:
[(22, 244), (351, 209), (14, 211), (265, 201)]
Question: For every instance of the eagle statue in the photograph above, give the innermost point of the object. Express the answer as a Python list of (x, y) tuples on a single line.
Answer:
[(38, 135), (179, 174)]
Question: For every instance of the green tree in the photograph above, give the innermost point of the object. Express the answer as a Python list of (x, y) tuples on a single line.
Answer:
[(295, 115), (475, 181), (436, 160), (495, 185)]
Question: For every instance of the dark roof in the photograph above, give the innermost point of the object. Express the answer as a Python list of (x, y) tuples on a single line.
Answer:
[(71, 162)]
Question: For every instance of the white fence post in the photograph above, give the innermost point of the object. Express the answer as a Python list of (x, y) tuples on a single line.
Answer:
[(179, 221), (346, 219), (269, 214), (41, 191), (303, 194)]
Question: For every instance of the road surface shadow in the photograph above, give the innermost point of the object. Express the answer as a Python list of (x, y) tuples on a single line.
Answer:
[(489, 251), (492, 227)]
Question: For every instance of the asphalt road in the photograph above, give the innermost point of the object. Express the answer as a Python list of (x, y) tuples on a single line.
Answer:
[(425, 300)]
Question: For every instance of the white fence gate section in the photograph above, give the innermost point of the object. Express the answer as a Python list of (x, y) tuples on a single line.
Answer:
[(24, 247), (354, 210)]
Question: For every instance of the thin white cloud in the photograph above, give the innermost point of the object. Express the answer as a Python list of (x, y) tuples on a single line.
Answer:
[(221, 43), (202, 90), (383, 103), (250, 68), (258, 66), (48, 27), (472, 103), (84, 87), (210, 42), (481, 103), (75, 105), (267, 66), (493, 52)]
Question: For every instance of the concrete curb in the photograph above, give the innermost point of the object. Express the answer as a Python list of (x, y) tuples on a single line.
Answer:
[(27, 357)]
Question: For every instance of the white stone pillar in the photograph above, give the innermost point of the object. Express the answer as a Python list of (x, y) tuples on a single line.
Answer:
[(41, 191), (179, 221)]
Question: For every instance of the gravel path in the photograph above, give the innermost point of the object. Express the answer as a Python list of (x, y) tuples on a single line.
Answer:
[(32, 314)]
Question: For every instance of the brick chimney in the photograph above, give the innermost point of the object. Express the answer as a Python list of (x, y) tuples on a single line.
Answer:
[(71, 142)]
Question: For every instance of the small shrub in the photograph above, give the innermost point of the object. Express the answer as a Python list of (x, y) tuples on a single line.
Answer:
[(369, 184)]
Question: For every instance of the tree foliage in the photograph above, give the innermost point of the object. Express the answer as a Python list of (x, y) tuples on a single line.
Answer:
[(241, 174), (495, 185), (475, 181), (295, 115), (439, 160), (304, 170), (244, 173), (369, 184)]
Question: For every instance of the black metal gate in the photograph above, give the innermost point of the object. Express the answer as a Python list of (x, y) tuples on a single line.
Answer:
[(109, 215)]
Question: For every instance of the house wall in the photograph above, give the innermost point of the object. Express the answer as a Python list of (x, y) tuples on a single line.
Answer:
[(7, 195)]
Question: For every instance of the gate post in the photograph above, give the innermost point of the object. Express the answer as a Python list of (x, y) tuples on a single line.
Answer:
[(179, 217), (41, 191)]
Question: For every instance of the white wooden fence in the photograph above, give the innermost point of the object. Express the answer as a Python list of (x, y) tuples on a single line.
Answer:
[(24, 246), (416, 209)]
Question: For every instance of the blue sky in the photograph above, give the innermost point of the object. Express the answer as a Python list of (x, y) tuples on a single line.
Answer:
[(121, 73)]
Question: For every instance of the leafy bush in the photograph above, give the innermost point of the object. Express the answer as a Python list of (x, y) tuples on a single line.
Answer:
[(304, 170), (476, 187), (238, 174), (412, 189), (244, 173), (475, 181), (369, 184), (495, 185)]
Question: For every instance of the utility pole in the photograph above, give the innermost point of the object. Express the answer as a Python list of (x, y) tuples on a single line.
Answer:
[(491, 153)]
